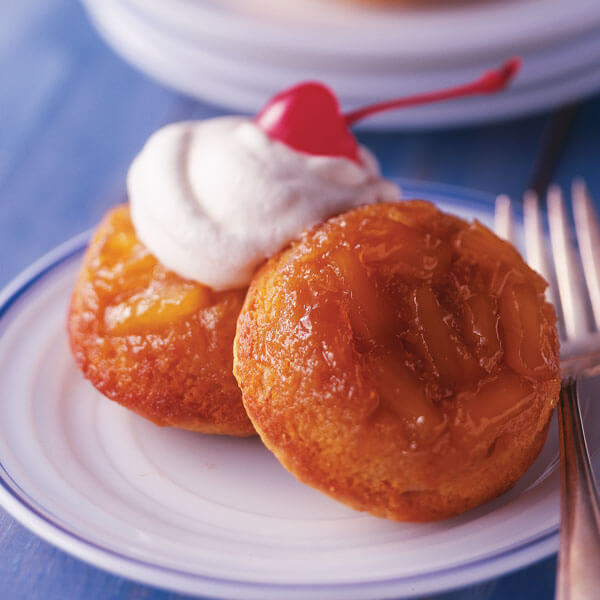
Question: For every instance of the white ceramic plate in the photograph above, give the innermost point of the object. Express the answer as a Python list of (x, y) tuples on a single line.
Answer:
[(219, 516), (345, 30), (362, 82), (561, 69)]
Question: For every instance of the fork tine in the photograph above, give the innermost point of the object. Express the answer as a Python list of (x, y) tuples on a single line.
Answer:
[(568, 275), (503, 219), (588, 238), (535, 244)]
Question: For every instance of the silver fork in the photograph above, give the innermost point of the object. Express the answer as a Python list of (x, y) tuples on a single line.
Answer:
[(576, 297)]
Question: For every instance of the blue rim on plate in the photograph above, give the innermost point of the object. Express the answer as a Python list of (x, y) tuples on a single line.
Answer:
[(49, 527)]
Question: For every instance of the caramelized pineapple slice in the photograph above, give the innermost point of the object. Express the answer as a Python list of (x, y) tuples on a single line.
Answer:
[(480, 330), (150, 310), (523, 323), (370, 314), (497, 399), (454, 363), (404, 395)]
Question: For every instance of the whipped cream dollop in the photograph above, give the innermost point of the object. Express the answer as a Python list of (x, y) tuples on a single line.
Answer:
[(213, 199)]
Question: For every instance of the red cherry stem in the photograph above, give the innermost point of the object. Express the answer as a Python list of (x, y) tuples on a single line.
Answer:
[(488, 83)]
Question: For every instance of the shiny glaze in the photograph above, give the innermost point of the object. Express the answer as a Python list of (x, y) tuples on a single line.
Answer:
[(445, 323)]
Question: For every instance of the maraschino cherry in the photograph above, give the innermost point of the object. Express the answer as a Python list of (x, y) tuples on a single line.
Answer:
[(307, 116)]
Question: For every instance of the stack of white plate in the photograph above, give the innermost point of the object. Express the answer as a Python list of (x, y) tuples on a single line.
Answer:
[(238, 53)]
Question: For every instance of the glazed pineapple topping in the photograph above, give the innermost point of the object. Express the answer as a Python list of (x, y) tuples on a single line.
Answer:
[(431, 309), (397, 350), (151, 340)]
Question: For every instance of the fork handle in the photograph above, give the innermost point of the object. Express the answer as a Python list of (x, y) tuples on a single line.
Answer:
[(578, 575)]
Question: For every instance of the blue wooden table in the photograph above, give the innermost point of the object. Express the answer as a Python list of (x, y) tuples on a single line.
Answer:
[(73, 115)]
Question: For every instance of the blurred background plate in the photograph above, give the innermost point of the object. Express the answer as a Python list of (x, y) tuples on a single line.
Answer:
[(237, 54), (348, 29)]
